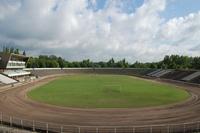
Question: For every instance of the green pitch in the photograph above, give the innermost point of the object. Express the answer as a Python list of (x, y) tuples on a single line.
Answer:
[(106, 91)]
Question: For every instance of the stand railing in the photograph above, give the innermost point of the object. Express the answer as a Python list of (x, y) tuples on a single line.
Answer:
[(32, 125)]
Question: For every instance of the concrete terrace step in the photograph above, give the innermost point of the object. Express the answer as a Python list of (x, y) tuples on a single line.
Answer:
[(191, 76), (161, 73), (154, 72), (6, 80)]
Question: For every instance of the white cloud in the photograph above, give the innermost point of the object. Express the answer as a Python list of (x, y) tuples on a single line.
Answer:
[(182, 34), (70, 29)]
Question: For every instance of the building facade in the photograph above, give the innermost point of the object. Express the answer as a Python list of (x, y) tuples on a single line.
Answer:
[(12, 65)]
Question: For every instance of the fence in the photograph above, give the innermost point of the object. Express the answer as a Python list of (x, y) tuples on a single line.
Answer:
[(190, 127)]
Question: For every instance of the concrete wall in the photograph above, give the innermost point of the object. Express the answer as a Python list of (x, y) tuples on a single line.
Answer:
[(51, 71)]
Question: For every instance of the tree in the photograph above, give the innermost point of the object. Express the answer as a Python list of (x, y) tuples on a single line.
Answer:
[(169, 62), (111, 63), (86, 63), (6, 49), (43, 57), (75, 64), (24, 53), (53, 57), (16, 51), (152, 65), (102, 64), (11, 50), (61, 62), (195, 63), (41, 63), (30, 62), (122, 64)]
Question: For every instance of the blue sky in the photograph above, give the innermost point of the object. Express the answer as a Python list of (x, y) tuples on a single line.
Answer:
[(174, 8), (130, 5), (178, 8), (138, 30)]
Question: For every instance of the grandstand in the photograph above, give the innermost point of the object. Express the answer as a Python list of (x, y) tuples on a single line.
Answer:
[(192, 76), (183, 76), (154, 72), (196, 80), (6, 80), (11, 68), (161, 73)]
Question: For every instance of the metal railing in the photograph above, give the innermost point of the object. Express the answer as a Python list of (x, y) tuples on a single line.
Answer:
[(190, 127)]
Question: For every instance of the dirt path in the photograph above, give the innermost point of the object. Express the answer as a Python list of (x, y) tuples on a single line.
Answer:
[(14, 102)]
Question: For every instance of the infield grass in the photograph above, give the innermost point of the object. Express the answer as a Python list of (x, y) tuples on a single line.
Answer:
[(106, 91)]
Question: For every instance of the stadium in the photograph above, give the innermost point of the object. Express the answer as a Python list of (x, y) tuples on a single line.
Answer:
[(98, 99), (99, 66)]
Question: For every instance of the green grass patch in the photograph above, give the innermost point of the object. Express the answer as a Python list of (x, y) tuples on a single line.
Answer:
[(106, 91)]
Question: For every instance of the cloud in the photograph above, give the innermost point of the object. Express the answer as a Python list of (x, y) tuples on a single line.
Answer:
[(182, 34), (75, 31)]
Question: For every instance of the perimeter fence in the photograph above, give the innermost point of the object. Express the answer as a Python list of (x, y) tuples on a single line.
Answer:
[(37, 126)]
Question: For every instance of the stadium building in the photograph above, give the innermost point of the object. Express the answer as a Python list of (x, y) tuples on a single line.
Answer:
[(11, 68)]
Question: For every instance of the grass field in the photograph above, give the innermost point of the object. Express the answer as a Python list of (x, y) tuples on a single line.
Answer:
[(106, 91)]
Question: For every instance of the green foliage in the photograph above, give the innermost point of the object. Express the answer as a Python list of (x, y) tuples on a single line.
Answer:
[(11, 50), (16, 51), (111, 63), (61, 62), (122, 64), (106, 91), (169, 62), (44, 61), (172, 62), (86, 63), (24, 53), (52, 61), (195, 63)]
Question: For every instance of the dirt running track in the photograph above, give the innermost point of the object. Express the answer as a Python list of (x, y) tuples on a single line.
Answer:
[(14, 102)]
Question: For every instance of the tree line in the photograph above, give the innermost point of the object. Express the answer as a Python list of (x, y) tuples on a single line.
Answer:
[(172, 62), (52, 61), (169, 62), (12, 50)]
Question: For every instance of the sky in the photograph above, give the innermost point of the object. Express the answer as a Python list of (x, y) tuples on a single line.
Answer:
[(137, 30)]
